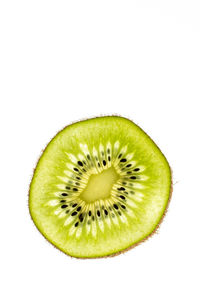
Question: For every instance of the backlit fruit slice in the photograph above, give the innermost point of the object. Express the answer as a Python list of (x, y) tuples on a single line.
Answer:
[(100, 187)]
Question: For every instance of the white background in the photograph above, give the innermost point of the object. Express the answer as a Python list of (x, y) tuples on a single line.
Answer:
[(62, 61)]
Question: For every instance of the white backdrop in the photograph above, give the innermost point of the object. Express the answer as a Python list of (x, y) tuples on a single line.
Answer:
[(62, 61)]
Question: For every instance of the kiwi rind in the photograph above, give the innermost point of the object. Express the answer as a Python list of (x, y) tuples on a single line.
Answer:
[(155, 229)]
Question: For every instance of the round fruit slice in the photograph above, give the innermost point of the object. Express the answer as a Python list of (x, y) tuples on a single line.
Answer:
[(100, 187)]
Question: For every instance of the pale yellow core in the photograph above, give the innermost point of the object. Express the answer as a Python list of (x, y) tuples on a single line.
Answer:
[(99, 185)]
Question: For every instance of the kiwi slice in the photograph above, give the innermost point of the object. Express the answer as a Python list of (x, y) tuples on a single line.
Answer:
[(100, 187)]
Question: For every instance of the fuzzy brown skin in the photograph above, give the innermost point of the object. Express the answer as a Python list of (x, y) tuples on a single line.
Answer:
[(132, 246)]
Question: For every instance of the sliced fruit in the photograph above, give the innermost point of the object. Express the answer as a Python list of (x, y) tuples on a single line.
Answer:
[(100, 187)]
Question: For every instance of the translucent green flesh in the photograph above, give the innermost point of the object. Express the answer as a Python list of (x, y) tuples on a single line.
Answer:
[(99, 145)]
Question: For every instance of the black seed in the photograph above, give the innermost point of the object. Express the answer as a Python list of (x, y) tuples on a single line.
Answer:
[(133, 177), (79, 208), (104, 162), (123, 160), (137, 169), (75, 189), (126, 193), (81, 219), (78, 178), (92, 218), (121, 189), (64, 206), (80, 163), (80, 216), (67, 188), (67, 211), (98, 164), (75, 169), (62, 201), (74, 205), (110, 208), (88, 156), (129, 165), (76, 224), (64, 194), (119, 212), (106, 212), (123, 206), (74, 213), (108, 158), (115, 206), (98, 213), (129, 172), (84, 162), (90, 213), (122, 197), (120, 155), (77, 183)]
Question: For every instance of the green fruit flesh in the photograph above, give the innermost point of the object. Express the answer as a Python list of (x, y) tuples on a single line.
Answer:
[(100, 187)]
